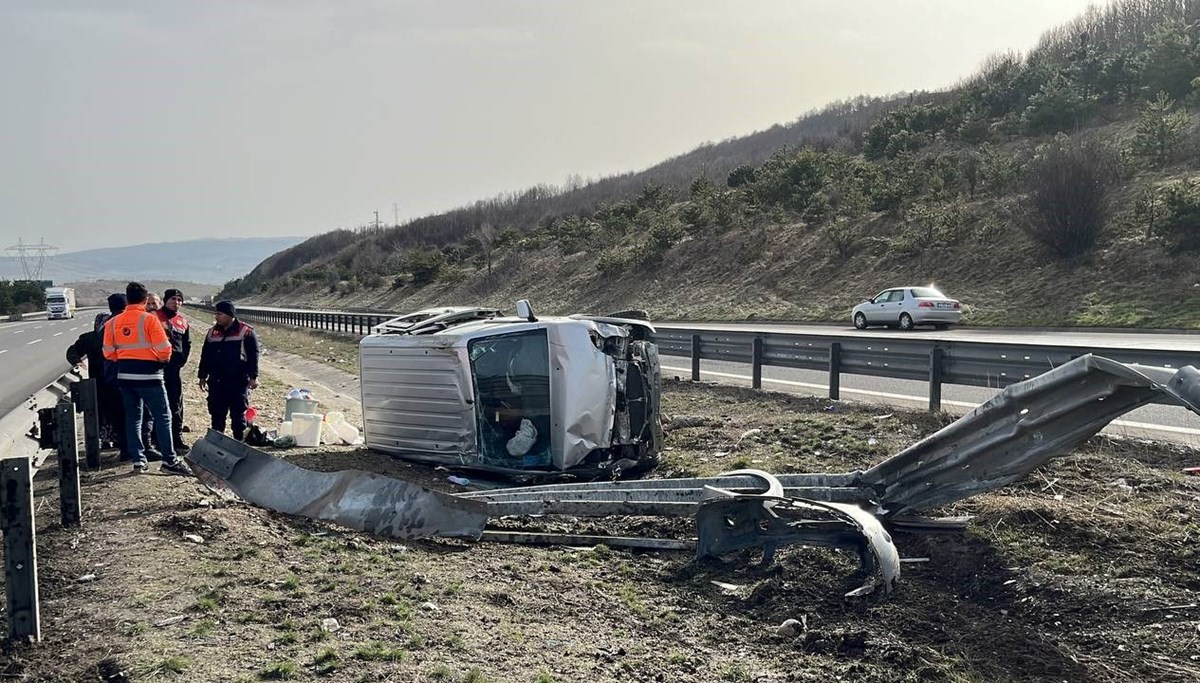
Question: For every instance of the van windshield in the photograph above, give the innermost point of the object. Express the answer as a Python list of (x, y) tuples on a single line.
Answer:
[(511, 377)]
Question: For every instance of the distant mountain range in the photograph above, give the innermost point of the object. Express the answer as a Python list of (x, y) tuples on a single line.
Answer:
[(209, 261)]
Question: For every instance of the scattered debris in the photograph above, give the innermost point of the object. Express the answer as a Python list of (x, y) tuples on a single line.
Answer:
[(1003, 440), (87, 578), (430, 607), (330, 625), (170, 620), (728, 588), (790, 628), (194, 538)]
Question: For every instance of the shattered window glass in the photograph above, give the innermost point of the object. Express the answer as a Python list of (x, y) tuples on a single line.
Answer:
[(511, 375)]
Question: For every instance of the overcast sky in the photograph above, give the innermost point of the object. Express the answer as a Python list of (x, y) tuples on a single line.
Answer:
[(125, 122)]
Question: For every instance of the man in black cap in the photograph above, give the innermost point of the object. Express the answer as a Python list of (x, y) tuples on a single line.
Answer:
[(116, 304), (229, 369), (181, 348)]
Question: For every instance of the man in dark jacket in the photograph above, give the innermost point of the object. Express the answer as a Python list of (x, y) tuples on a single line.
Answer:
[(229, 369), (181, 349), (90, 347), (116, 304), (112, 409)]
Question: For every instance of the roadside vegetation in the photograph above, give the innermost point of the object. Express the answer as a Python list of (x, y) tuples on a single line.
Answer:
[(21, 296), (1059, 187)]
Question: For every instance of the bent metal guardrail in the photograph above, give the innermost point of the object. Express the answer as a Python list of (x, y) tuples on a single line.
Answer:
[(935, 361)]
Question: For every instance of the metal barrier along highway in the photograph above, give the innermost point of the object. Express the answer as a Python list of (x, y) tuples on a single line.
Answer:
[(56, 429), (936, 361)]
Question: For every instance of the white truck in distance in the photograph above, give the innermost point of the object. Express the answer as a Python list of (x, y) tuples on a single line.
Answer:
[(60, 303)]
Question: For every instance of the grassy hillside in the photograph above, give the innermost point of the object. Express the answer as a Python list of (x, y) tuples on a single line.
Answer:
[(1059, 187)]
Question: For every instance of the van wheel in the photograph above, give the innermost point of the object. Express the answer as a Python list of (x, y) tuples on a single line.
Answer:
[(906, 321), (860, 321)]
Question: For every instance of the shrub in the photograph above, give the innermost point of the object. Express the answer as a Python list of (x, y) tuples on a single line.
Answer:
[(1181, 224), (844, 238), (1056, 107), (1069, 183), (424, 264), (1159, 129)]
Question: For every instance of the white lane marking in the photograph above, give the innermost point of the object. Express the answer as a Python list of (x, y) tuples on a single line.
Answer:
[(18, 331), (38, 327), (32, 342), (74, 328), (58, 334), (1149, 426), (3, 350)]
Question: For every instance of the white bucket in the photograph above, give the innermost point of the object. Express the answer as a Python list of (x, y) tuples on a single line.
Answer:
[(285, 428), (306, 428), (298, 405)]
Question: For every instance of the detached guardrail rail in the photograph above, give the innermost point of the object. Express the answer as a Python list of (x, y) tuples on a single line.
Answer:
[(56, 428), (935, 361)]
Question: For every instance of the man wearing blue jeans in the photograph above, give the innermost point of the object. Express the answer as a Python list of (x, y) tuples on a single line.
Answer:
[(136, 341)]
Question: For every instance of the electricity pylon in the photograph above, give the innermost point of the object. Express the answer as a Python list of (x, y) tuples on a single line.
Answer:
[(33, 257)]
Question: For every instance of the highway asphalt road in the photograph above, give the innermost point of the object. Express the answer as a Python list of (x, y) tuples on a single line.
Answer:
[(33, 353)]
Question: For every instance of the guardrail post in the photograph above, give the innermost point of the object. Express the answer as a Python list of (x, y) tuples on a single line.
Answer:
[(695, 358), (20, 550), (835, 370), (935, 379), (68, 465), (756, 364), (83, 394)]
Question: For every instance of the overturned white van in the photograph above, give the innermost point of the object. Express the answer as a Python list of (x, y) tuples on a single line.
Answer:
[(514, 394)]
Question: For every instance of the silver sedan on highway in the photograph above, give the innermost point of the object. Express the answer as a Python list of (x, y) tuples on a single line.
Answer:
[(906, 307)]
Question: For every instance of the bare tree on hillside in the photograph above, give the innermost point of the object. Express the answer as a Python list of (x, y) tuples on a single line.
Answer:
[(1069, 183)]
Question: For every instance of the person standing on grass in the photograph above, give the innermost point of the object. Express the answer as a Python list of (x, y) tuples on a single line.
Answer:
[(229, 369), (149, 438), (179, 333), (136, 341)]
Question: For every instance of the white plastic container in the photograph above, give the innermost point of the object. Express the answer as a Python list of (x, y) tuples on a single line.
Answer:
[(306, 428), (345, 431), (285, 428)]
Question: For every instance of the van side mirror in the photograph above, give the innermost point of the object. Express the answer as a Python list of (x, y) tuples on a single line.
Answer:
[(525, 310)]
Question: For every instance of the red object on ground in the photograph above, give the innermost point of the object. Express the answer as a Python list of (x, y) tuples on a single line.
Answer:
[(251, 413), (1192, 470)]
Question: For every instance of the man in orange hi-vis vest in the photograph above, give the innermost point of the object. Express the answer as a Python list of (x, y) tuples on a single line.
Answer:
[(136, 341)]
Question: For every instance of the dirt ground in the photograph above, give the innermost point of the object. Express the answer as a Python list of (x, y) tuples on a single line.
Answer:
[(1085, 571)]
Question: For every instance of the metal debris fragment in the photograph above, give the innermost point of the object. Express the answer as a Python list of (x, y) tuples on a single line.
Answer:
[(359, 500)]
